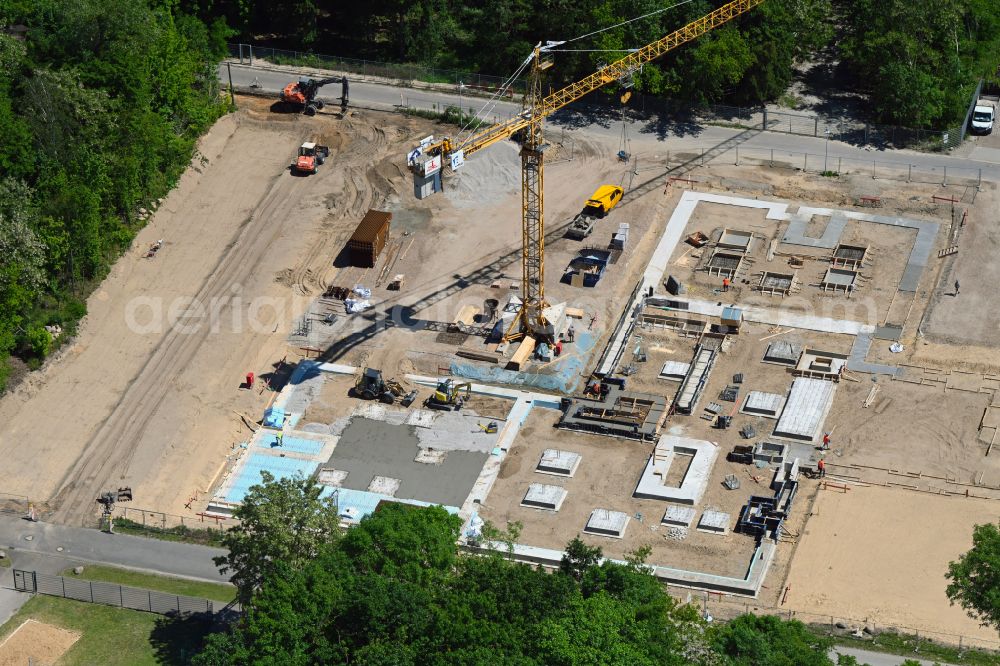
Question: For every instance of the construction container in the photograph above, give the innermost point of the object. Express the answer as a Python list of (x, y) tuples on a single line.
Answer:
[(369, 238)]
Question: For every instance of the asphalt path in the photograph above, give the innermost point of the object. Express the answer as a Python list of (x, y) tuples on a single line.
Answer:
[(650, 134), (51, 548)]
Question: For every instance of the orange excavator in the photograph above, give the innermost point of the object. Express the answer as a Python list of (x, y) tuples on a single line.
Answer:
[(303, 93)]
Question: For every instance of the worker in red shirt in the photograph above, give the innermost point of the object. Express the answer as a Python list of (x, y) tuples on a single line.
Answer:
[(821, 466), (725, 284), (826, 441)]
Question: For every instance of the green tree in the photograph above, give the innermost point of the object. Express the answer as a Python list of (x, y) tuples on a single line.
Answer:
[(975, 577), (282, 523), (766, 640), (578, 558)]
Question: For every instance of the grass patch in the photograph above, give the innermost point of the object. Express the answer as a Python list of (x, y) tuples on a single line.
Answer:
[(189, 588), (205, 536), (113, 636), (914, 647), (790, 101), (5, 562), (450, 115)]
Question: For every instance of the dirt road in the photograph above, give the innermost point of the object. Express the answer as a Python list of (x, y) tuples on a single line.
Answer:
[(144, 396)]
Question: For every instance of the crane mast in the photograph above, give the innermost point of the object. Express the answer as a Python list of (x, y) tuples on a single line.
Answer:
[(535, 107), (531, 317)]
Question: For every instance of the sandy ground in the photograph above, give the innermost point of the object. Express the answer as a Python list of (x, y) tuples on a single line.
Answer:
[(608, 472), (880, 555), (35, 642), (968, 319), (150, 405)]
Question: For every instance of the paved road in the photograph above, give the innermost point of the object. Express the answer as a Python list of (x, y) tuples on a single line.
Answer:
[(671, 136), (877, 658), (52, 548)]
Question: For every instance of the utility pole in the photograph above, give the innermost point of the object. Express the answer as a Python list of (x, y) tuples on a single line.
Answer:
[(232, 99), (461, 87), (826, 153)]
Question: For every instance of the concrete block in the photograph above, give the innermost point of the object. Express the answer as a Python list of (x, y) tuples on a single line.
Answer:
[(714, 522), (607, 523), (768, 405), (680, 516), (558, 463), (806, 409), (541, 496), (384, 485), (692, 487)]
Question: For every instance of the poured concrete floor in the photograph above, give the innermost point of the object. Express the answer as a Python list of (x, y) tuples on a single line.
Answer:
[(370, 448)]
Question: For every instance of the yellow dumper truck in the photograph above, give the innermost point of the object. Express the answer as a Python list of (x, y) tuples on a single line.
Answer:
[(598, 205)]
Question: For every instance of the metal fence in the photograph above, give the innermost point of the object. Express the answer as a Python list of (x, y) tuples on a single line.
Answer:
[(679, 162), (849, 130), (162, 521), (112, 594), (402, 72)]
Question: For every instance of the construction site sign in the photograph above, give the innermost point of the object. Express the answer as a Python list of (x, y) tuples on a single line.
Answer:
[(457, 159), (432, 165)]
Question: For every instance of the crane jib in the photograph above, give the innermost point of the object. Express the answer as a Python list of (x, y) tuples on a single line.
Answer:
[(613, 72)]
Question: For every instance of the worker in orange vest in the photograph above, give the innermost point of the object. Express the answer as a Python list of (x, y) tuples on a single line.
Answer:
[(725, 284), (821, 465)]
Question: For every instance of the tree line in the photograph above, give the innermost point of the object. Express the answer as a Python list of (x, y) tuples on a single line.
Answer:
[(395, 590), (917, 60), (100, 107)]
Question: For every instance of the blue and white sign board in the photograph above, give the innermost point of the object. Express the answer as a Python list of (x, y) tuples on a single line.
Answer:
[(411, 157), (426, 141), (457, 159), (432, 165)]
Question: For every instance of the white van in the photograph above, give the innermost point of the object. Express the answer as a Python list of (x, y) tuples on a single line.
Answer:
[(982, 118)]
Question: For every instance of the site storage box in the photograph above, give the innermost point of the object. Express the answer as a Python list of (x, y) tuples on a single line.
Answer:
[(369, 238)]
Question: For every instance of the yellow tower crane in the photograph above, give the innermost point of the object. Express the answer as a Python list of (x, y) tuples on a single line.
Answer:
[(531, 318)]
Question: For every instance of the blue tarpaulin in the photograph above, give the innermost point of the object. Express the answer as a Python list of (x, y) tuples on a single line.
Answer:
[(274, 417)]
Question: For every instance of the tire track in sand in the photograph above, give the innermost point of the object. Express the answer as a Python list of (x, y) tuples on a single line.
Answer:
[(106, 454)]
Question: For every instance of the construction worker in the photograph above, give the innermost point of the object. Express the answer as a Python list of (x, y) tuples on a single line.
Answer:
[(956, 287), (826, 441), (725, 284), (821, 466), (280, 439)]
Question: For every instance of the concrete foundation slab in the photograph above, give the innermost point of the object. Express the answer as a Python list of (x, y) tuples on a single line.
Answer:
[(680, 516), (735, 239), (783, 353), (859, 352), (820, 364), (674, 371), (423, 418), (370, 448), (607, 523), (890, 332), (331, 477), (541, 496), (384, 485), (796, 232), (714, 522), (840, 279), (558, 463), (763, 404), (430, 456), (805, 410), (692, 486)]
